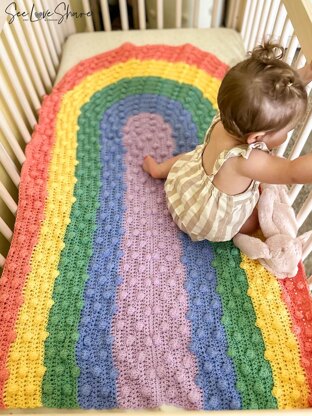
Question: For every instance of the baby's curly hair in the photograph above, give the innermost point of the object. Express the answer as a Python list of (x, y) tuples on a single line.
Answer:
[(261, 93)]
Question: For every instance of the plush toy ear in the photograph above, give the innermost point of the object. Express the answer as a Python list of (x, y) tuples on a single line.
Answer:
[(253, 247)]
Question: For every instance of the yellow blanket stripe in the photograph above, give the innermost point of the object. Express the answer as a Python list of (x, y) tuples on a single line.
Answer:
[(176, 71), (282, 350), (25, 382)]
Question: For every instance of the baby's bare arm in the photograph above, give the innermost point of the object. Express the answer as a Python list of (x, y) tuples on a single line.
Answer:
[(159, 170), (267, 168), (305, 73)]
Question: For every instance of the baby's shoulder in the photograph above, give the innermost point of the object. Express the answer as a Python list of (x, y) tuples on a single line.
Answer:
[(265, 167)]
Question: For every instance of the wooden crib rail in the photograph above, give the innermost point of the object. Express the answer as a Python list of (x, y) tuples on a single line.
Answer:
[(30, 56)]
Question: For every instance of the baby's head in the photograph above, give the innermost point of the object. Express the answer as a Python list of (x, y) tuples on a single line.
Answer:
[(262, 97)]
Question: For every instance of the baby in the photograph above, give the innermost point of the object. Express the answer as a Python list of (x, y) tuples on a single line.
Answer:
[(212, 191)]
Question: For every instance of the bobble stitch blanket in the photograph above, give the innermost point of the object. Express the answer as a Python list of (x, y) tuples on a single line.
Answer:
[(104, 302)]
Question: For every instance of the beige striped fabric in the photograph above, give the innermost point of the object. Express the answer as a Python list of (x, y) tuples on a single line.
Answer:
[(199, 208)]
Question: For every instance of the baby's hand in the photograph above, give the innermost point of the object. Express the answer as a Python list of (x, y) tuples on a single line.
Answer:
[(305, 73)]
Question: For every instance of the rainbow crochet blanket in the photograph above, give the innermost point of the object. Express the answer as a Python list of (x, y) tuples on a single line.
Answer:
[(104, 302)]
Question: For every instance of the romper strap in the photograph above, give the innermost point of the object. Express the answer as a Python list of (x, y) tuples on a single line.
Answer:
[(243, 150)]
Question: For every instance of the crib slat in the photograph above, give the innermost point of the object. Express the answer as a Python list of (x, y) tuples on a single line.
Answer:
[(9, 165), (215, 12), (245, 20), (44, 71), (89, 22), (300, 14), (63, 25), (306, 251), (60, 33), (7, 199), (4, 126), (160, 14), (305, 210), (195, 20), (271, 17), (236, 14), (53, 31), (295, 152), (142, 18), (230, 13), (2, 260), (279, 21), (14, 111), (21, 66), (255, 25), (301, 60), (123, 14), (294, 43), (36, 32), (16, 85), (106, 16), (5, 230), (249, 23), (70, 24), (281, 149), (178, 22), (44, 29), (302, 138), (28, 57), (263, 20), (286, 33), (60, 30), (63, 29), (294, 192)]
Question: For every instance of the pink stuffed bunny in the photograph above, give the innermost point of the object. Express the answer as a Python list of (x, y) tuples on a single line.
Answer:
[(282, 250)]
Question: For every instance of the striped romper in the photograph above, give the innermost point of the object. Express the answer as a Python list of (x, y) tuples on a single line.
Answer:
[(198, 207)]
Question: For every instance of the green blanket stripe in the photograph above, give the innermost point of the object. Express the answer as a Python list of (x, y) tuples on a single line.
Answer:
[(246, 346), (60, 382)]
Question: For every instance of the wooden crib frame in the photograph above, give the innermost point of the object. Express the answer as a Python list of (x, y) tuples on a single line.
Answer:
[(30, 57)]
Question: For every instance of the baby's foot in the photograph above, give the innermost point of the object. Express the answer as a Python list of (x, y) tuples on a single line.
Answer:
[(151, 166)]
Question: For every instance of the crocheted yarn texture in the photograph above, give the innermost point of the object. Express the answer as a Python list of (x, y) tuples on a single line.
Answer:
[(104, 302)]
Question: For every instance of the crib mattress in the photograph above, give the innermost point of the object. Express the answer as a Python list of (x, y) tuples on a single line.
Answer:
[(106, 304), (227, 44)]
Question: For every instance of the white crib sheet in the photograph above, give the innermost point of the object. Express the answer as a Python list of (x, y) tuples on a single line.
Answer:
[(226, 44)]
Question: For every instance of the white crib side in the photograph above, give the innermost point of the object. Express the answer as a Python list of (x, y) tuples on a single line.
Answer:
[(30, 56)]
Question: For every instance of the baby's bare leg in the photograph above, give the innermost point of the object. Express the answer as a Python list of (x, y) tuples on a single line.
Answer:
[(252, 223), (159, 170)]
